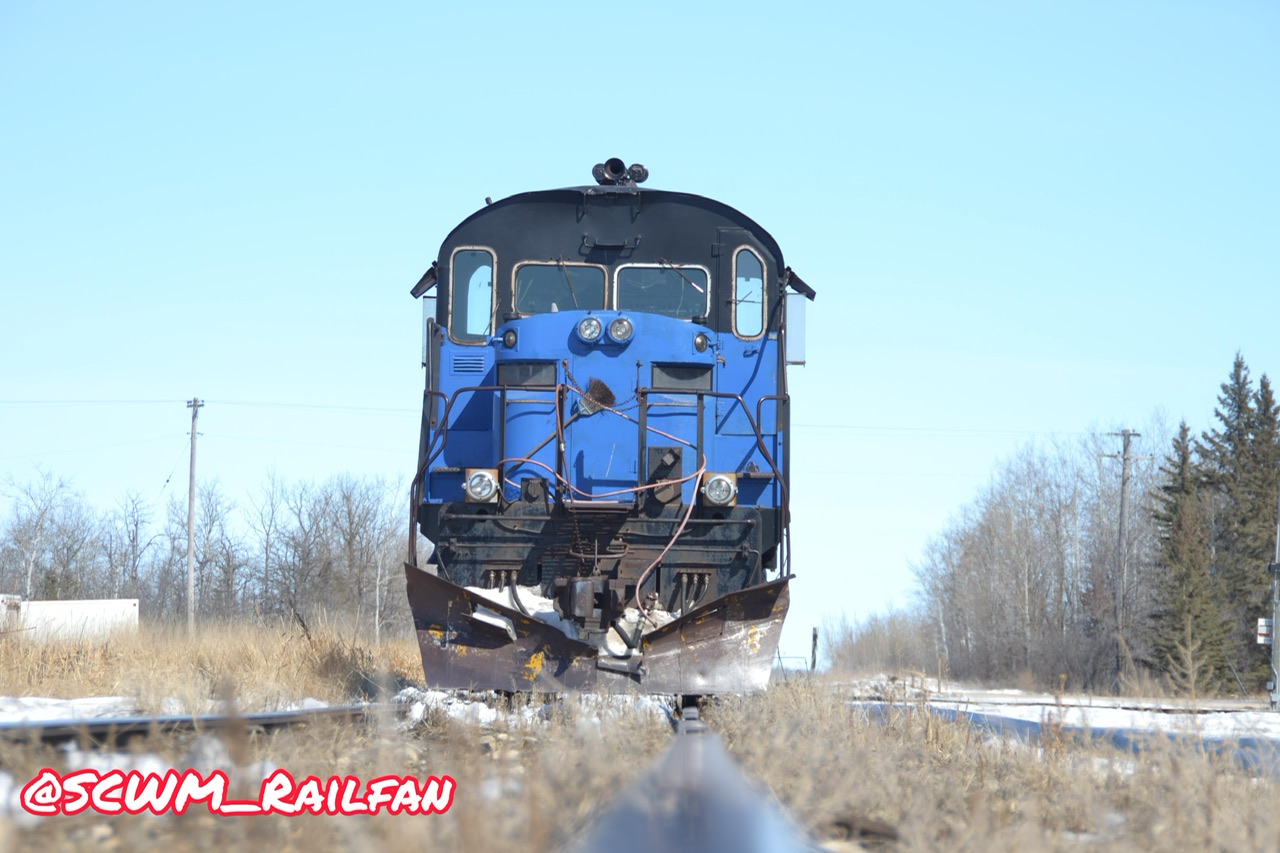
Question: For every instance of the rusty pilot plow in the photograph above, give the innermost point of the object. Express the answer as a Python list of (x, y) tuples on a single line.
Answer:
[(471, 642)]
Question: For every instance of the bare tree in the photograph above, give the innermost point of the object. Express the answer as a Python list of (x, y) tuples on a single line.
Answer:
[(304, 549), (126, 538), (35, 504), (1026, 577), (74, 568), (220, 556), (265, 520)]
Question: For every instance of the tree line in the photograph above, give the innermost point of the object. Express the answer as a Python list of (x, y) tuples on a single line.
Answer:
[(304, 551), (1029, 580)]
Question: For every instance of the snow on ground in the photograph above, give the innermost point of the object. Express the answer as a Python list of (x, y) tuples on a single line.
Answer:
[(1112, 714), (15, 710), (1214, 720), (30, 709), (591, 709), (423, 702), (1005, 713)]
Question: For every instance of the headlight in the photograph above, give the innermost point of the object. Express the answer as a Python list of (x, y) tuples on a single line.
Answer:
[(481, 485), (720, 489), (589, 329), (700, 342), (620, 330), (509, 338)]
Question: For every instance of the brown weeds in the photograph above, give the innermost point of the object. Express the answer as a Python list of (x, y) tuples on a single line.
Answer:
[(902, 781), (262, 667)]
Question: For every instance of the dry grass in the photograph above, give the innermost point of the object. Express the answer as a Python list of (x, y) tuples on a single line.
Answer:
[(533, 785), (526, 786), (946, 786), (261, 667)]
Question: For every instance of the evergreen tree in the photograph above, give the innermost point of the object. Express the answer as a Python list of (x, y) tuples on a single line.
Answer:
[(1241, 463), (1264, 472), (1189, 619)]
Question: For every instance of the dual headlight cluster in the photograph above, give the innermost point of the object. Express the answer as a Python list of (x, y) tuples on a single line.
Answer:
[(620, 330), (481, 486)]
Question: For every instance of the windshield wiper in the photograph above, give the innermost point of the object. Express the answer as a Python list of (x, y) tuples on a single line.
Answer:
[(564, 268), (692, 283)]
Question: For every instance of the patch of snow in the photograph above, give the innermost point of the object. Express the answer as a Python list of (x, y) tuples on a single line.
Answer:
[(11, 802), (613, 642), (28, 709), (591, 710), (540, 608), (456, 707), (307, 704), (1214, 725), (497, 620)]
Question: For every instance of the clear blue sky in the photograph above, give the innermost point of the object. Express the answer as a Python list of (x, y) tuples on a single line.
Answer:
[(1022, 220)]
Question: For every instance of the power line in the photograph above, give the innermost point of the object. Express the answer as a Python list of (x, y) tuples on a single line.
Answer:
[(293, 441), (88, 449), (323, 406), (35, 403), (263, 404), (172, 471), (931, 430)]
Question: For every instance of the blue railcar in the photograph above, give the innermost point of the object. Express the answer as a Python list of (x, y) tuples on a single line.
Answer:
[(603, 469)]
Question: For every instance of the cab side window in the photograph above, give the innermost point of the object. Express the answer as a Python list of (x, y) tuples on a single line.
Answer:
[(471, 296), (748, 294)]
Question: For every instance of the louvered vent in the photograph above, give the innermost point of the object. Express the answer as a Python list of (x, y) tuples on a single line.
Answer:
[(468, 364)]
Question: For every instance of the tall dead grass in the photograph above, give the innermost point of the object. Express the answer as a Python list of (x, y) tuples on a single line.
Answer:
[(537, 777), (260, 667), (947, 786), (529, 782)]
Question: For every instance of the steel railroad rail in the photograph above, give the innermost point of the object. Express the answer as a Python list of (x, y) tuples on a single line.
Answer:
[(114, 730), (695, 798)]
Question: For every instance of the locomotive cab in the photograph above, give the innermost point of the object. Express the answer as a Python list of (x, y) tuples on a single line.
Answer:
[(603, 468)]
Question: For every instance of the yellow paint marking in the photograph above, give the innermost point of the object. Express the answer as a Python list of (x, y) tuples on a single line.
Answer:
[(753, 639), (534, 667)]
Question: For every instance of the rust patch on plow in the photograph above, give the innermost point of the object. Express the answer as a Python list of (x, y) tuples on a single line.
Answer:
[(470, 642)]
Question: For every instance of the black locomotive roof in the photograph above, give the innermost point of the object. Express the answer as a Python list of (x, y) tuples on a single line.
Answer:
[(609, 222)]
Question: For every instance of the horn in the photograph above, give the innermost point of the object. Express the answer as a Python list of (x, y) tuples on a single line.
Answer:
[(614, 169)]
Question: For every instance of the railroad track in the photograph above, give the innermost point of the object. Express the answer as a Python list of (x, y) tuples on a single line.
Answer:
[(112, 731), (693, 798)]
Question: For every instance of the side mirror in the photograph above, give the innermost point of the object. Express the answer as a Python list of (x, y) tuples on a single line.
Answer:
[(796, 303)]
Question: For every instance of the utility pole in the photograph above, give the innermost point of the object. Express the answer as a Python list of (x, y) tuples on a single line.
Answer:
[(194, 405), (1122, 544)]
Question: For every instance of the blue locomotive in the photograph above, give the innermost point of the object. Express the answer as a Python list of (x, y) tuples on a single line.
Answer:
[(603, 468)]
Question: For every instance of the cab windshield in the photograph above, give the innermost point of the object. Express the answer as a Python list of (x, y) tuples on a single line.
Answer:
[(679, 292), (546, 288)]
